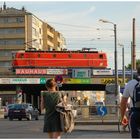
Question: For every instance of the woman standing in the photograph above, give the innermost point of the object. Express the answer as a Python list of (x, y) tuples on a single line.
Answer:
[(49, 100)]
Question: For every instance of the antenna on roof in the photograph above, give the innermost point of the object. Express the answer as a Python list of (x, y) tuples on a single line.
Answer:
[(88, 49), (23, 8), (4, 6)]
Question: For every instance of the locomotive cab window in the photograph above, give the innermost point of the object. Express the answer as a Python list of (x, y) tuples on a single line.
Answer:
[(54, 55), (21, 55), (69, 55), (38, 55), (85, 56), (101, 56)]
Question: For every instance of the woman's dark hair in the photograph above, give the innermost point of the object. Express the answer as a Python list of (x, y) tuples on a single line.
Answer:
[(50, 83)]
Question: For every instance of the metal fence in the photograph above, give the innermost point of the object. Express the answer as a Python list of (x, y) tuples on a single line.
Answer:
[(99, 115)]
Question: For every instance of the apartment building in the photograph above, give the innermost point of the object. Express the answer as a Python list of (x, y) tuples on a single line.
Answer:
[(21, 30), (59, 41)]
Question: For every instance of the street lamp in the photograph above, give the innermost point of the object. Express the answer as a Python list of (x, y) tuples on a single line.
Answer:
[(123, 66), (115, 55)]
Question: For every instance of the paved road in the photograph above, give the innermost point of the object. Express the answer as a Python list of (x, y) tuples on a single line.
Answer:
[(33, 129)]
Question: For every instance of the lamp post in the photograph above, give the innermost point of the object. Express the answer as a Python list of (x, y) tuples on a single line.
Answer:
[(123, 66), (115, 54)]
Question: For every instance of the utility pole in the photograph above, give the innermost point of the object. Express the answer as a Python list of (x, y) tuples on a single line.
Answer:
[(123, 66), (115, 55), (131, 60), (134, 46)]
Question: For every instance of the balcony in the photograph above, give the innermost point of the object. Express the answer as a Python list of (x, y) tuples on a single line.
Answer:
[(12, 47), (50, 34), (50, 43), (11, 25), (11, 36), (5, 58), (5, 70)]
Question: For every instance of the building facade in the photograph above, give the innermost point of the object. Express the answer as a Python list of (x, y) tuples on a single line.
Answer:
[(21, 30)]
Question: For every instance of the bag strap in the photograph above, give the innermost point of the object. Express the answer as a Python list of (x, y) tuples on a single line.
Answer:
[(62, 98), (134, 93)]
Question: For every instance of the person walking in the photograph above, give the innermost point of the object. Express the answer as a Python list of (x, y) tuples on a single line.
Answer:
[(132, 90), (50, 99)]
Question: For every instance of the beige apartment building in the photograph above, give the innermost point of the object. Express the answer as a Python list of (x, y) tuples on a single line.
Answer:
[(21, 30)]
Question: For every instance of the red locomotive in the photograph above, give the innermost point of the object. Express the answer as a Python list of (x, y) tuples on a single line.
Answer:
[(60, 59)]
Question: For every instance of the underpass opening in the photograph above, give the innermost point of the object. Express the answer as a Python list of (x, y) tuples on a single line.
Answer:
[(83, 87), (32, 93)]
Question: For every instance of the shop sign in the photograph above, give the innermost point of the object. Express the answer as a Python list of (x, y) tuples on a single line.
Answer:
[(43, 80), (81, 73), (4, 80), (57, 71), (78, 81), (102, 72), (127, 72), (24, 81), (31, 71), (112, 80)]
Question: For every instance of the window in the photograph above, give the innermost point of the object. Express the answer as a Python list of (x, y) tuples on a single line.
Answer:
[(5, 64), (40, 30), (19, 41), (12, 31), (20, 19), (6, 53), (85, 55), (54, 55), (21, 55), (100, 56), (20, 30), (69, 55), (12, 42), (12, 20), (5, 20), (39, 55), (50, 38)]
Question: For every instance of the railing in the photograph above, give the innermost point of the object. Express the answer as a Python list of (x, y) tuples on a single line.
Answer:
[(96, 115)]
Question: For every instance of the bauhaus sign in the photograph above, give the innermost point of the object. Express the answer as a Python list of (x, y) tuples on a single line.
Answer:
[(42, 71), (31, 71)]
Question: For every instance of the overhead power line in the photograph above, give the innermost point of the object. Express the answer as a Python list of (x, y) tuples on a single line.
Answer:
[(79, 26)]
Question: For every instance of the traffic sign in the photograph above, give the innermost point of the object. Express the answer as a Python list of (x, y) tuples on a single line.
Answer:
[(101, 110), (58, 79)]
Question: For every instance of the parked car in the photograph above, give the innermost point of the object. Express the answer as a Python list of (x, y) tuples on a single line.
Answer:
[(6, 110), (24, 110)]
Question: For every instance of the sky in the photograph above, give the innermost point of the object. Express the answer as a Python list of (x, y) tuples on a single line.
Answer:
[(79, 23)]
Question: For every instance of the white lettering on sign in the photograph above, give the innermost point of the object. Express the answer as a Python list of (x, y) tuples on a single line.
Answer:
[(31, 71), (57, 71), (25, 81), (102, 72), (81, 73)]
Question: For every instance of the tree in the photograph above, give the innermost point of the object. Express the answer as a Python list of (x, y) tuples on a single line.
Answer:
[(129, 65)]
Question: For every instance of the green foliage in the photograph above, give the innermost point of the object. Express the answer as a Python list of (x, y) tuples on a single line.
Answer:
[(129, 65)]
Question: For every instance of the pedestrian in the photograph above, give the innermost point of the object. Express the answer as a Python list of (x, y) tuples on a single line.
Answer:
[(50, 99), (132, 91)]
